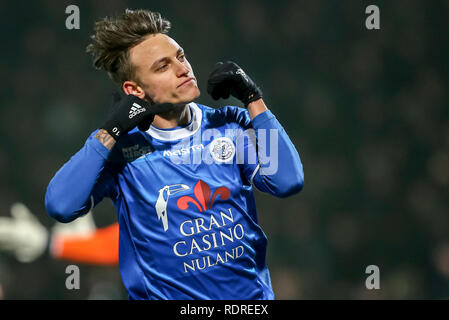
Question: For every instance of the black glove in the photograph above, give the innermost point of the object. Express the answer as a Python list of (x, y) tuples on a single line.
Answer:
[(131, 111), (228, 78)]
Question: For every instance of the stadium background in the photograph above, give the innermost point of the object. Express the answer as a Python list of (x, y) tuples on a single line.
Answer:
[(367, 110)]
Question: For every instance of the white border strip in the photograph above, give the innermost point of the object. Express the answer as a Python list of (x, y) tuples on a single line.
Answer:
[(254, 173), (181, 133)]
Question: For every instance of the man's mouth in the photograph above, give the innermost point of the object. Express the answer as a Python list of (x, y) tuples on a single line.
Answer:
[(186, 82)]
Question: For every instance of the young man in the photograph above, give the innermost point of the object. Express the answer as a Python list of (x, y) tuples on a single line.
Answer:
[(180, 174)]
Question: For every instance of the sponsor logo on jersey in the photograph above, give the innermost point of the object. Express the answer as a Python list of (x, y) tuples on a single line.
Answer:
[(183, 151), (162, 201), (211, 239), (204, 200)]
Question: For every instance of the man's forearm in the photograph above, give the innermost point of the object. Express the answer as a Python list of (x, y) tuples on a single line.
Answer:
[(69, 193), (256, 107), (105, 138), (281, 171)]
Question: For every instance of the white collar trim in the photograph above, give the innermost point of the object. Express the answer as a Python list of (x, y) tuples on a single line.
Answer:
[(180, 133)]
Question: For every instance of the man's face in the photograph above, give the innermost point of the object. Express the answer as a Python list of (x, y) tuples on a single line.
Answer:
[(163, 71)]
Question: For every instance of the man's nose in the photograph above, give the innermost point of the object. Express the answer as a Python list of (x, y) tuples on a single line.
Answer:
[(181, 69)]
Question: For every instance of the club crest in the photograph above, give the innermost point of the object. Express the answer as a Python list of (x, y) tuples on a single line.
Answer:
[(222, 149)]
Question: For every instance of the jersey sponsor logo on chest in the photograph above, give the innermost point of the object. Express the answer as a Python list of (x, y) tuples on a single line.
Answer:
[(183, 151), (211, 239)]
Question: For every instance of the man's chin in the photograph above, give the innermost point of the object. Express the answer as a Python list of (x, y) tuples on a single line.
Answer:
[(179, 104)]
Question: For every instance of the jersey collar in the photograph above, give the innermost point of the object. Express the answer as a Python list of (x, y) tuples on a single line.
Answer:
[(179, 133)]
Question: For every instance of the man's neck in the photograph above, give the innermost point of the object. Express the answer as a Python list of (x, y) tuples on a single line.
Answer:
[(179, 117)]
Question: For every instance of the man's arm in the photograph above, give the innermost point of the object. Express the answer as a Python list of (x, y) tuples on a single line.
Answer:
[(84, 180), (255, 108), (70, 193), (279, 170), (105, 138)]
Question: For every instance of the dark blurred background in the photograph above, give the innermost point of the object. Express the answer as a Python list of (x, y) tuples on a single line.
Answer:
[(366, 109)]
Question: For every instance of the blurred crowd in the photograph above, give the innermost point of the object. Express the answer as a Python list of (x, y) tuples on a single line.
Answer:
[(368, 111)]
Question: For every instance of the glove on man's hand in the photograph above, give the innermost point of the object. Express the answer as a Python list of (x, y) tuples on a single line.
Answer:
[(228, 78), (131, 111)]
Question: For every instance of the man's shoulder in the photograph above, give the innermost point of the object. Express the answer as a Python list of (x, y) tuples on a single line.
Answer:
[(225, 114)]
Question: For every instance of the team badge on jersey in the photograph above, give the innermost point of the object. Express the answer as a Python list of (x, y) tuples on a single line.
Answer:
[(222, 149)]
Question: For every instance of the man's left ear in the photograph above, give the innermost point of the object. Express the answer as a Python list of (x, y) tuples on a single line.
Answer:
[(130, 87)]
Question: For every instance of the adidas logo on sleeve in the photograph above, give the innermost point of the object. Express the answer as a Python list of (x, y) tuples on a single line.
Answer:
[(135, 110)]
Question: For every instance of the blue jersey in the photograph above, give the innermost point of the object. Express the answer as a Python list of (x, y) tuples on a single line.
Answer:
[(185, 204)]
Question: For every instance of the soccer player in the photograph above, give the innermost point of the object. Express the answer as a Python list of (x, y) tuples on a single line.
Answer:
[(180, 174)]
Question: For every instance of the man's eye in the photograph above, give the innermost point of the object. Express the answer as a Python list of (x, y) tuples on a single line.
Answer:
[(182, 57), (162, 67)]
